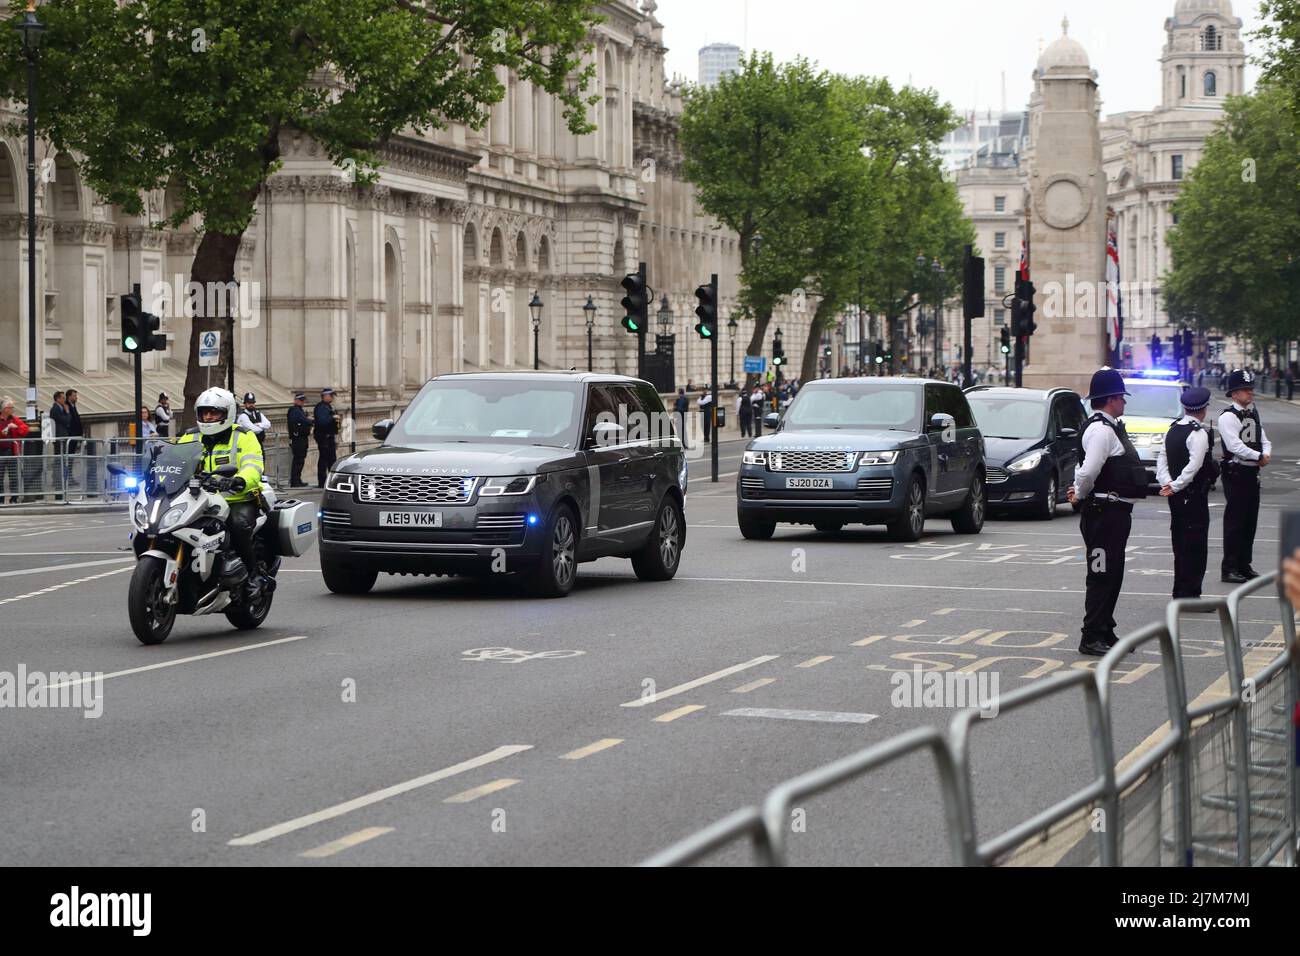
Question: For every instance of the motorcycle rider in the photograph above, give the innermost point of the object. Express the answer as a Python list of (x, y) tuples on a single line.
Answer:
[(226, 443)]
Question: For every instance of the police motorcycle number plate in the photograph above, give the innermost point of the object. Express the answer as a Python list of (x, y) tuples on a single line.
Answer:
[(410, 519), (809, 483)]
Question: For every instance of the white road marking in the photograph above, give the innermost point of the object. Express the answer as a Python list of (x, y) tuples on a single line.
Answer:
[(699, 681), (465, 796), (820, 716), (753, 685), (679, 712), (944, 610), (66, 567), (329, 813), (814, 661), (60, 587), (916, 623), (590, 749), (343, 843), (929, 587), (185, 660)]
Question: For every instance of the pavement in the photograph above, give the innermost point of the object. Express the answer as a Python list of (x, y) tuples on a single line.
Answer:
[(456, 721)]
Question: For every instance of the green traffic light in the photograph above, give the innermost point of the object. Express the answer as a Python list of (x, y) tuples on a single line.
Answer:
[(129, 343)]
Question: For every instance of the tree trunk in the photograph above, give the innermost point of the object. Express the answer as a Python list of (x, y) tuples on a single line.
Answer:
[(812, 348), (761, 323), (214, 263)]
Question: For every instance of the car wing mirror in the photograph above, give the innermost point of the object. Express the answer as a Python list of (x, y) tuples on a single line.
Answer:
[(939, 421), (772, 420), (380, 429)]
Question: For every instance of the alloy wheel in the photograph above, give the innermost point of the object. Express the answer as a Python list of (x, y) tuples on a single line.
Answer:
[(562, 557), (668, 531)]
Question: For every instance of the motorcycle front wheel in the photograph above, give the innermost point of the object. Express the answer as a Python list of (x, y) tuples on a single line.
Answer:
[(151, 616)]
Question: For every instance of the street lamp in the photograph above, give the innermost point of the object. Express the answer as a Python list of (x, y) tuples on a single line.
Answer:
[(665, 317), (589, 311), (936, 268), (32, 29), (535, 310), (732, 325)]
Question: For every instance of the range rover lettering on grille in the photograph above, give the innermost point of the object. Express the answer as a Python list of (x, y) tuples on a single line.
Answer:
[(812, 461), (415, 489)]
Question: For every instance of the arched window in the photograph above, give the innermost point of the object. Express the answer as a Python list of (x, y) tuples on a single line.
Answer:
[(496, 252), (1211, 40), (471, 245), (521, 253), (1182, 84), (1211, 84), (543, 255)]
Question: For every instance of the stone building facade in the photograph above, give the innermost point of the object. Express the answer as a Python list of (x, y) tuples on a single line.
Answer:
[(431, 268)]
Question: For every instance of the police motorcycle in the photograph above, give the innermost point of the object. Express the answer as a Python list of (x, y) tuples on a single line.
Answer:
[(186, 561)]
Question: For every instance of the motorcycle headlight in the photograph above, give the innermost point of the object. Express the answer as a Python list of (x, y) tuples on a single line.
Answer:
[(339, 481), (877, 457), (755, 458), (495, 487), (1028, 463), (172, 517), (139, 517)]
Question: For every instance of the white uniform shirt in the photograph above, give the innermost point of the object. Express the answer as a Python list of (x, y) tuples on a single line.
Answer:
[(1230, 429), (1198, 445), (257, 423), (1099, 443)]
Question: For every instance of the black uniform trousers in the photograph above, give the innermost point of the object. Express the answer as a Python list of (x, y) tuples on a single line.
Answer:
[(1105, 526), (326, 455), (299, 448), (242, 522), (1189, 524), (1240, 516)]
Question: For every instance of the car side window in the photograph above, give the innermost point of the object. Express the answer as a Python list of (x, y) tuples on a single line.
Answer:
[(959, 408), (660, 425), (933, 405), (599, 400), (1075, 415)]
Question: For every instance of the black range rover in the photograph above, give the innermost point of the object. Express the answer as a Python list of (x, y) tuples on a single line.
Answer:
[(526, 473)]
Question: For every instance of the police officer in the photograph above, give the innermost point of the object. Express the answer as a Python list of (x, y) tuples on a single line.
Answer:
[(228, 443), (299, 434), (253, 419), (1108, 483), (1246, 449), (1185, 469), (325, 428)]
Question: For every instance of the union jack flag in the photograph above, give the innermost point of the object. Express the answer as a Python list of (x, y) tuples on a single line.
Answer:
[(1114, 304)]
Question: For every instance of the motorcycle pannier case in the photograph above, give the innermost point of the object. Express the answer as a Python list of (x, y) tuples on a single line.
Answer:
[(295, 527)]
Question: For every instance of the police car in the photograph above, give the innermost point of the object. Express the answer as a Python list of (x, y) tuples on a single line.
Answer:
[(1149, 411)]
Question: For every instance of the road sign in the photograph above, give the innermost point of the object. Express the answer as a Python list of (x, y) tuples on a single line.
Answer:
[(755, 364), (209, 349)]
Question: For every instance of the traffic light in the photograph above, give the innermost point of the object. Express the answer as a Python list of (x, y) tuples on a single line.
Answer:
[(707, 310), (1023, 309), (827, 351), (972, 286), (778, 349), (139, 328), (1155, 349), (1006, 341), (1189, 344), (636, 303)]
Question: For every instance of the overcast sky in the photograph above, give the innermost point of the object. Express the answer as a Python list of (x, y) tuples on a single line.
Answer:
[(961, 48)]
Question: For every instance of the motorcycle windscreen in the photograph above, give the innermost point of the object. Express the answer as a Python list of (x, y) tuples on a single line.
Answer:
[(172, 469)]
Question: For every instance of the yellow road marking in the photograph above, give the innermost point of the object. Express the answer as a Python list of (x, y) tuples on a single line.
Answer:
[(868, 641), (814, 661), (916, 623), (590, 749), (465, 796), (679, 712), (753, 685), (343, 843)]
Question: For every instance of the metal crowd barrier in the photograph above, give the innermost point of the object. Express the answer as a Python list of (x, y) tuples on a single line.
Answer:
[(1219, 787)]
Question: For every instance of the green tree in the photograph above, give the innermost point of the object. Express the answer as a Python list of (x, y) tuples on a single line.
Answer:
[(194, 94), (1236, 248)]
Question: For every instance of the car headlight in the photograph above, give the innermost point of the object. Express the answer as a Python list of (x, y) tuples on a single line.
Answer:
[(877, 457), (495, 487), (339, 481), (172, 518), (1028, 463), (755, 458)]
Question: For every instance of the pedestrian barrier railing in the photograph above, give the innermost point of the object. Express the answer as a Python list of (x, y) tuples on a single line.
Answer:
[(75, 470), (1218, 786)]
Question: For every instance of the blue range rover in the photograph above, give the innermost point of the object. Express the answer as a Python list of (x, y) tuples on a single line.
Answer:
[(873, 451)]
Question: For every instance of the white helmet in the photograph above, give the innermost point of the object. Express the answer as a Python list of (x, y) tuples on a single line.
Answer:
[(222, 401)]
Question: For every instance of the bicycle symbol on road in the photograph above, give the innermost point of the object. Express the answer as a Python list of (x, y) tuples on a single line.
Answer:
[(508, 655)]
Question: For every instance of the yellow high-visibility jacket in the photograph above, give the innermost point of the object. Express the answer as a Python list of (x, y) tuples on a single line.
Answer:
[(241, 449)]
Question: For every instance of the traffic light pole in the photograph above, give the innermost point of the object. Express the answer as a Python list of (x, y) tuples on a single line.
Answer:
[(713, 405), (136, 424), (641, 333)]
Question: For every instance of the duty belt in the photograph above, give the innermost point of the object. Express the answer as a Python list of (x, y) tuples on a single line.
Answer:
[(1108, 496)]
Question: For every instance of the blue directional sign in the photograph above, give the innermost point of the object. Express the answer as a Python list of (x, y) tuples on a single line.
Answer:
[(756, 364)]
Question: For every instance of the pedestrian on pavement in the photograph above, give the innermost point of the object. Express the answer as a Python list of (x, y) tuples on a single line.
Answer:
[(706, 413), (75, 430), (1246, 449), (756, 410), (62, 420), (681, 405), (744, 413), (12, 428), (1290, 382), (255, 421), (326, 429), (299, 433), (1186, 470), (1108, 483), (162, 415), (148, 431)]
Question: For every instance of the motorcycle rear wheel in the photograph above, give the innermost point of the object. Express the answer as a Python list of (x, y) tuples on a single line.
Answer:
[(247, 617), (151, 616)]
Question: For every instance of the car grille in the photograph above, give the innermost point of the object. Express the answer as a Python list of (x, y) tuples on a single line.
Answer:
[(875, 489), (341, 519), (751, 487), (415, 489), (812, 460), (996, 476), (499, 529)]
